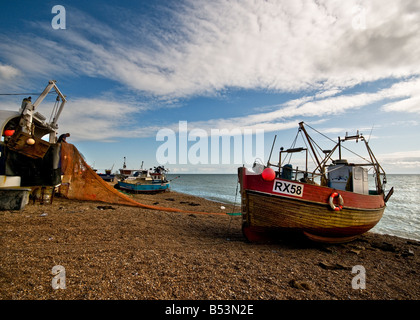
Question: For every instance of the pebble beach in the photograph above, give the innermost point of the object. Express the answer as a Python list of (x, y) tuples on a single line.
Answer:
[(126, 253)]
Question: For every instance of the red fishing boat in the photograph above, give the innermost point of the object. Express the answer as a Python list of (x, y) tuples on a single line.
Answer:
[(331, 203)]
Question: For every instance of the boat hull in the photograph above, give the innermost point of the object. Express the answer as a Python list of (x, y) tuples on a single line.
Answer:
[(107, 177), (266, 212), (143, 188)]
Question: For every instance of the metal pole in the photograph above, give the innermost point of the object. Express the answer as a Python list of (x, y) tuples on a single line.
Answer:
[(269, 158)]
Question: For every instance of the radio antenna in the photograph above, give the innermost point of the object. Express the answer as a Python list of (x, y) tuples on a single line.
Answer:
[(370, 132)]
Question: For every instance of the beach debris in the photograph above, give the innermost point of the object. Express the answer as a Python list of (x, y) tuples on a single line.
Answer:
[(357, 249), (44, 214), (407, 253), (105, 207), (415, 243), (384, 246), (302, 285), (328, 249), (190, 203), (222, 207), (336, 266)]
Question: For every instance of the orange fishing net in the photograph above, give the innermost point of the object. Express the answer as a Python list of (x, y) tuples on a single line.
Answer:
[(80, 182)]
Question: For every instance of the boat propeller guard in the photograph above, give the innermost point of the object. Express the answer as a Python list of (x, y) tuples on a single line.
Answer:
[(340, 201)]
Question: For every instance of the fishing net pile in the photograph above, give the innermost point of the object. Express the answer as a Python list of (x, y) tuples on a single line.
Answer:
[(80, 182)]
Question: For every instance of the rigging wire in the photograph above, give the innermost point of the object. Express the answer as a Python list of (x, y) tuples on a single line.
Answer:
[(370, 133), (22, 94), (55, 109), (341, 145), (291, 147)]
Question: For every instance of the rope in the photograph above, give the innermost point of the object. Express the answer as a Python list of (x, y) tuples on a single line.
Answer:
[(233, 208)]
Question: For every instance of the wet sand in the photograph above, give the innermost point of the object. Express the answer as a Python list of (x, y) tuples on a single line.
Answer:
[(127, 253)]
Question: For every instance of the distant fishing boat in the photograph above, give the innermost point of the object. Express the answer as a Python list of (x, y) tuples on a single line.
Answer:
[(107, 176), (127, 172), (143, 180), (330, 204)]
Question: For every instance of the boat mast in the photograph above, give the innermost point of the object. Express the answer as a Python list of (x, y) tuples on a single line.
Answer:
[(339, 148), (301, 127)]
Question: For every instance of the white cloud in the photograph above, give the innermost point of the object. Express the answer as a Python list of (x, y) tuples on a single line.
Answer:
[(401, 161), (401, 155), (207, 46), (411, 105), (8, 77), (100, 119), (8, 72), (108, 119), (406, 93)]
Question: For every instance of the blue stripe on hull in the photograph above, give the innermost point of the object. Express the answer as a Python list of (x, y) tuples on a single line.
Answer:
[(143, 187)]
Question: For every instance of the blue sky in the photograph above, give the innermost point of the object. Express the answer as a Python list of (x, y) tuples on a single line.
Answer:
[(133, 68)]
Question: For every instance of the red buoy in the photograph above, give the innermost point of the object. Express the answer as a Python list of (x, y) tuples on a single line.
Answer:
[(9, 132), (268, 174)]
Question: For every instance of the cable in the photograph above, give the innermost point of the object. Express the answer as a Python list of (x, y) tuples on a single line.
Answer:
[(21, 94), (335, 142)]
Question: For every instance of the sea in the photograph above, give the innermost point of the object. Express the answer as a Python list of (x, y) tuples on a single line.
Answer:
[(401, 217)]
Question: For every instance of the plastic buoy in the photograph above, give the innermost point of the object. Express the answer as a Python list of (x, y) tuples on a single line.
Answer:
[(30, 141), (9, 133), (268, 174)]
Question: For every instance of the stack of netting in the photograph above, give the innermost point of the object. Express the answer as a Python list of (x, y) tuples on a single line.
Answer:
[(80, 182)]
